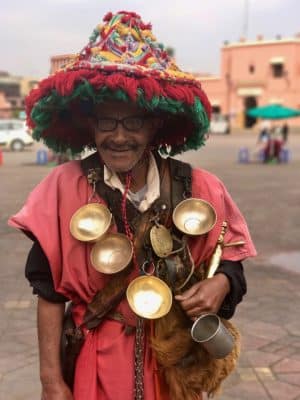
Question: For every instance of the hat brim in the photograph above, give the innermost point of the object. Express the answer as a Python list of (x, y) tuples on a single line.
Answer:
[(57, 110)]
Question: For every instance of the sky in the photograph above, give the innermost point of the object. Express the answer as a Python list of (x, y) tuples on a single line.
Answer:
[(32, 31)]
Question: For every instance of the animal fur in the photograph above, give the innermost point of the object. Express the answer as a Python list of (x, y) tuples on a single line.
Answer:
[(186, 367)]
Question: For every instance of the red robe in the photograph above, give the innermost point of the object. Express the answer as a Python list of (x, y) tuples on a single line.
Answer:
[(105, 367)]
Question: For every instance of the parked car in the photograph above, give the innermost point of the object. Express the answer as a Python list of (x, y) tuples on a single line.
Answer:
[(219, 124), (14, 134)]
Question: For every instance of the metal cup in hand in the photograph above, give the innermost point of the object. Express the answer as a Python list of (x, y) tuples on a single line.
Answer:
[(209, 330)]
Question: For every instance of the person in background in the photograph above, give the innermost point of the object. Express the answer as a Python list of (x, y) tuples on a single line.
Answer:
[(125, 98), (274, 145), (285, 132)]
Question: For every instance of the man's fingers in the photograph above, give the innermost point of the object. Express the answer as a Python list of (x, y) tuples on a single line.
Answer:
[(188, 293)]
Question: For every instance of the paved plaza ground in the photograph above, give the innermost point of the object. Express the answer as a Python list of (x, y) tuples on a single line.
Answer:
[(269, 197)]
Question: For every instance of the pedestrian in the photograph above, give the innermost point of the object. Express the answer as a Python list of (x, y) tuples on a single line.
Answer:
[(285, 132), (125, 98), (274, 145)]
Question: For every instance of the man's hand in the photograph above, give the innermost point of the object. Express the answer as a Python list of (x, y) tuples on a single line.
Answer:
[(56, 391), (205, 296)]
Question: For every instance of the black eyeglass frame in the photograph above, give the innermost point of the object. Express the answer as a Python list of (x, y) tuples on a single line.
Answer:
[(141, 118)]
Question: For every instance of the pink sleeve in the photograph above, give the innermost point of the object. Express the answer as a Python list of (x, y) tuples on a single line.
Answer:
[(237, 231), (46, 215)]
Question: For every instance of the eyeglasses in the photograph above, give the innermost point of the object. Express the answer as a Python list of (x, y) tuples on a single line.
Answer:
[(132, 123)]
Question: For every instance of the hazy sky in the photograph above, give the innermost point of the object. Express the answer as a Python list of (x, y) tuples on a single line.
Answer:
[(31, 31)]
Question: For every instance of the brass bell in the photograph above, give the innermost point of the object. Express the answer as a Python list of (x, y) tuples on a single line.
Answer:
[(112, 253), (149, 297), (194, 216), (90, 222)]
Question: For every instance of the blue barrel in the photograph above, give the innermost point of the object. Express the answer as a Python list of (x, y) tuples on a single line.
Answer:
[(285, 155), (261, 155), (42, 157), (243, 155)]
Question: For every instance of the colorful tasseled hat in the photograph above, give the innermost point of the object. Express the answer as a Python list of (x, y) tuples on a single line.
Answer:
[(122, 61)]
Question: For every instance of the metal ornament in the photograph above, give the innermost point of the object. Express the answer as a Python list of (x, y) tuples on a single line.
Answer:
[(194, 216), (90, 222), (149, 297), (112, 253), (217, 254), (161, 240)]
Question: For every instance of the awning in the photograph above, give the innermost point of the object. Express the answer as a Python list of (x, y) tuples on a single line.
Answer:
[(275, 100), (249, 91), (277, 60)]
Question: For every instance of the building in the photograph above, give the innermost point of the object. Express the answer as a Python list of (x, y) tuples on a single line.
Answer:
[(59, 61), (255, 73), (13, 91), (5, 107)]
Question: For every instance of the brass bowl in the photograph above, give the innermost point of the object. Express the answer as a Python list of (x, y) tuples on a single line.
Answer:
[(112, 253), (149, 297), (90, 222), (194, 216)]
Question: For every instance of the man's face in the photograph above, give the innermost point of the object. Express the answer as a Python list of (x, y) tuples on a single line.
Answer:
[(121, 144)]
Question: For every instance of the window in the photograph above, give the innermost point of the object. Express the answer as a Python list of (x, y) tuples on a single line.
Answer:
[(277, 69), (251, 69)]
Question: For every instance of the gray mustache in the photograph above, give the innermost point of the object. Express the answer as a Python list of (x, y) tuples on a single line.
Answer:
[(114, 147)]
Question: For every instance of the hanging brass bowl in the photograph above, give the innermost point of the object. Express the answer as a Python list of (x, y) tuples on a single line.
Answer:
[(149, 297), (112, 253), (194, 216), (90, 222)]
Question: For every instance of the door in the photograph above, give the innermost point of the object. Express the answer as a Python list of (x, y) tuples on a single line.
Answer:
[(249, 102)]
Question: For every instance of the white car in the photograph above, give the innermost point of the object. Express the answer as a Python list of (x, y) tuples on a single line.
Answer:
[(14, 134), (219, 124)]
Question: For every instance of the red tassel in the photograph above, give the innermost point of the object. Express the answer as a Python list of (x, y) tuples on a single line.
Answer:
[(119, 81), (107, 17), (180, 93), (97, 81), (151, 88)]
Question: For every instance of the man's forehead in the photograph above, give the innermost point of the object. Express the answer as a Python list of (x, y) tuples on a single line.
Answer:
[(118, 107)]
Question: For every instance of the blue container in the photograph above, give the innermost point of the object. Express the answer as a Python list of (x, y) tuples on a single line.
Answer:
[(243, 155), (42, 157), (261, 155), (285, 155)]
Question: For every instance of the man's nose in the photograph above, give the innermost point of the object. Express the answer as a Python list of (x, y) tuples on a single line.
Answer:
[(120, 133)]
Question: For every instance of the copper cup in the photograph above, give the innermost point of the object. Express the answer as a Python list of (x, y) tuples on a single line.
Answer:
[(194, 216)]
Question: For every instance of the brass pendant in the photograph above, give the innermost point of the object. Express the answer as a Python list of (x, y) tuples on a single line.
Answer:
[(161, 240)]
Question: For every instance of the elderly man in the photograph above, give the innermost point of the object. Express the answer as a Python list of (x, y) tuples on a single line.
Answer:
[(124, 96)]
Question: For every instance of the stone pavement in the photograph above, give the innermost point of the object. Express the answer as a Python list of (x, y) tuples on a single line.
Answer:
[(268, 195)]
